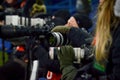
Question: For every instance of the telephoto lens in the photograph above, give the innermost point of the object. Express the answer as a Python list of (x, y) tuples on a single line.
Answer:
[(81, 54), (57, 39)]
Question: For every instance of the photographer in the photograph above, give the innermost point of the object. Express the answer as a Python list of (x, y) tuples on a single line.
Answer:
[(106, 64), (41, 51), (13, 70)]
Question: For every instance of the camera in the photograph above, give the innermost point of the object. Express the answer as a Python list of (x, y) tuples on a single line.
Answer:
[(53, 38), (81, 54)]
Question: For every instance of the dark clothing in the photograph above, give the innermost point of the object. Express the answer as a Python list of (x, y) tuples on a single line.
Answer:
[(113, 65), (44, 61), (112, 71), (1, 2), (28, 7), (88, 72), (13, 70), (79, 37)]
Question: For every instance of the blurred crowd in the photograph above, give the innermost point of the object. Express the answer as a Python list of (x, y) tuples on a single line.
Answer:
[(92, 33)]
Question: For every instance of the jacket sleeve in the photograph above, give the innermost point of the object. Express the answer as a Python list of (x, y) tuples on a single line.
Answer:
[(79, 37), (69, 73)]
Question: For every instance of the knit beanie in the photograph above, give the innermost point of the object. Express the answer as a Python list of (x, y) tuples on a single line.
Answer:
[(83, 20)]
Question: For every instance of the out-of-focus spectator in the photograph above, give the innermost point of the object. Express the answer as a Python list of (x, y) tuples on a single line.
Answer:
[(83, 6), (13, 70), (13, 3), (38, 8), (2, 22), (23, 3), (27, 7)]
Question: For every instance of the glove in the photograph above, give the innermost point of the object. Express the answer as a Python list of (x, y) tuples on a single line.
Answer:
[(66, 56)]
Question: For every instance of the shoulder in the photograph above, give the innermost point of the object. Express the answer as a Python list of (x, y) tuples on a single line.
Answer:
[(116, 34), (114, 50)]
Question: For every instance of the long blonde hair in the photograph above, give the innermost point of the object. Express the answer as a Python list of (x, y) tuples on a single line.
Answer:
[(105, 20)]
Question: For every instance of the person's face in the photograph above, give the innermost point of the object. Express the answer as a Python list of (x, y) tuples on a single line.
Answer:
[(11, 1), (72, 22), (1, 22)]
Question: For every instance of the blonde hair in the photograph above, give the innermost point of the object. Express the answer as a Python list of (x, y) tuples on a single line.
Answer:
[(105, 20)]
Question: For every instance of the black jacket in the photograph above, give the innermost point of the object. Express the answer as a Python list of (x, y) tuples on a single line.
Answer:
[(113, 65), (79, 37)]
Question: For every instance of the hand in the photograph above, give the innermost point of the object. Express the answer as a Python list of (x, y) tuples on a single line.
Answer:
[(66, 56)]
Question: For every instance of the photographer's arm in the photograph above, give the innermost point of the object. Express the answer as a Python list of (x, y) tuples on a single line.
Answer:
[(77, 36), (66, 58)]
